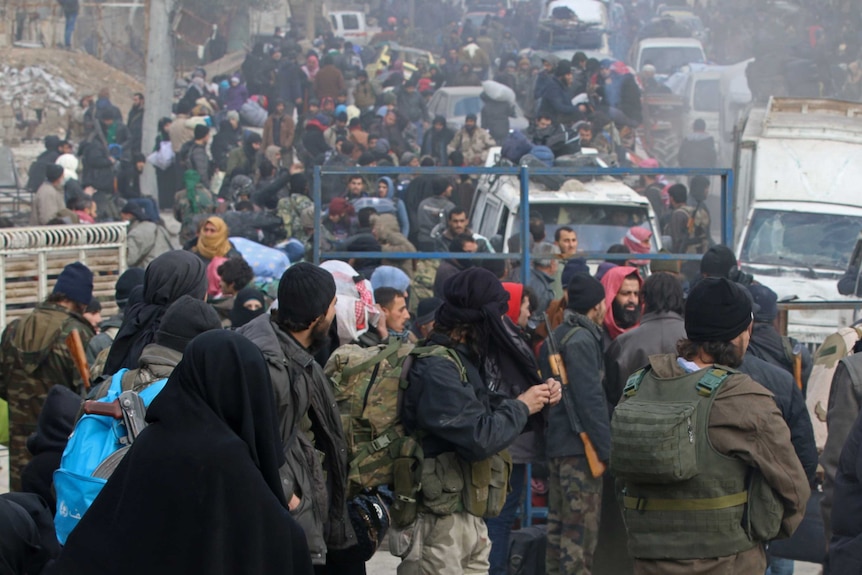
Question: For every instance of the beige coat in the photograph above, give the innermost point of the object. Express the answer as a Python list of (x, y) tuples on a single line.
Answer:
[(392, 240), (47, 201), (744, 423), (475, 148)]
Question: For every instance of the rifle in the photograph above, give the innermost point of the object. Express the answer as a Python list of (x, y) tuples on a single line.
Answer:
[(76, 348), (558, 370)]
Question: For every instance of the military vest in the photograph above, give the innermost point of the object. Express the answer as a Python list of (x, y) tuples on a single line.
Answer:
[(681, 498)]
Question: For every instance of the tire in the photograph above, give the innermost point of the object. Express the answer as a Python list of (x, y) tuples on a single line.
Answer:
[(665, 148)]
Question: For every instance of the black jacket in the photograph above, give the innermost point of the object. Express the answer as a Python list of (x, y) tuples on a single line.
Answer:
[(135, 124), (789, 399), (697, 151), (316, 467), (556, 102), (767, 344), (458, 416), (495, 117), (98, 170), (583, 357), (845, 548)]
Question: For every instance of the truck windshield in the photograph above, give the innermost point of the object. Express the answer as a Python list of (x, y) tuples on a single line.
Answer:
[(668, 60), (598, 226), (800, 238)]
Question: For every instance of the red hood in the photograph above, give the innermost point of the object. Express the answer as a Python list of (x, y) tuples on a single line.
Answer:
[(612, 282), (315, 124), (516, 295)]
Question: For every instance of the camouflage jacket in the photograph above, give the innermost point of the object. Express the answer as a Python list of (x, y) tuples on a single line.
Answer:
[(290, 211), (34, 357), (189, 211)]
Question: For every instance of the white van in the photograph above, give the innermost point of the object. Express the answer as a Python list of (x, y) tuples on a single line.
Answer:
[(352, 26), (600, 210), (668, 55)]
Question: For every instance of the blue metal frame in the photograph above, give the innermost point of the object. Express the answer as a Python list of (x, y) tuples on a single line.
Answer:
[(523, 173)]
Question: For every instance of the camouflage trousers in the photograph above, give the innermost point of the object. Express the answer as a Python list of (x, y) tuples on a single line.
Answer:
[(574, 509), (19, 456), (456, 544)]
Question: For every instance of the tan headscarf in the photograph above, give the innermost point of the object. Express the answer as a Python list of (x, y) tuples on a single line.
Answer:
[(216, 245)]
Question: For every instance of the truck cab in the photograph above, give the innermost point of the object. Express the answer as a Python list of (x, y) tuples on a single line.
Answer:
[(798, 169), (599, 209), (668, 55)]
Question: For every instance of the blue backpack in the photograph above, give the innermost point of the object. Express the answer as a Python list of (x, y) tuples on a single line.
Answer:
[(99, 442)]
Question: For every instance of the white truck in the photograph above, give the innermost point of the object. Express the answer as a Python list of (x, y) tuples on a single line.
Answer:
[(352, 25), (798, 208), (600, 209)]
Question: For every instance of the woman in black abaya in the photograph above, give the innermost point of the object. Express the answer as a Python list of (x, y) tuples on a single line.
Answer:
[(199, 491), (167, 278)]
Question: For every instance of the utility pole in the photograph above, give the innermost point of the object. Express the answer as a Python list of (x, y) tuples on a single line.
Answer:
[(310, 17), (411, 12), (159, 85)]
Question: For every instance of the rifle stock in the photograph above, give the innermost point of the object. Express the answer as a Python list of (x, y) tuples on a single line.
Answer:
[(558, 370), (76, 348)]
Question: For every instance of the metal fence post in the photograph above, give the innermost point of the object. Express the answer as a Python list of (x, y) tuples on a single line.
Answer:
[(318, 212), (525, 224), (727, 211)]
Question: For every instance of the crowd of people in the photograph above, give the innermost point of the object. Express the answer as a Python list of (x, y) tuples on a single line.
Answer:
[(254, 405), (673, 377)]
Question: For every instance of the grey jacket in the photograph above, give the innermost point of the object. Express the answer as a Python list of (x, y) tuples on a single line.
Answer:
[(584, 362), (46, 203), (145, 242), (315, 449), (845, 399), (657, 333)]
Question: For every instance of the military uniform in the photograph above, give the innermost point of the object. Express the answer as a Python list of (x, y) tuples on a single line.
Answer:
[(463, 432), (290, 210), (574, 495), (725, 480), (33, 358)]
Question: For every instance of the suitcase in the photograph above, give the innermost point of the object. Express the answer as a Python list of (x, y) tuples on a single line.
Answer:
[(527, 548)]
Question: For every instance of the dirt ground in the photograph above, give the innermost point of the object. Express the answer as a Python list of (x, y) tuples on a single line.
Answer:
[(83, 72)]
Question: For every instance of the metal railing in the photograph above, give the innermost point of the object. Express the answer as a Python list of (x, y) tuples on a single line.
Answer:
[(524, 173), (31, 258)]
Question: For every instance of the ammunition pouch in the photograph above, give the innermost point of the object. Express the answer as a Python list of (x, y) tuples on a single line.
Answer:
[(451, 485), (407, 481)]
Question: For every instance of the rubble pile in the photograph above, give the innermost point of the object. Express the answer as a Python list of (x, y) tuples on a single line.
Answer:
[(43, 86), (33, 87)]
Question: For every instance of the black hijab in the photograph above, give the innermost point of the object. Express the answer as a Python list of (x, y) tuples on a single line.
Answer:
[(199, 491), (169, 276), (239, 315), (27, 538), (476, 297)]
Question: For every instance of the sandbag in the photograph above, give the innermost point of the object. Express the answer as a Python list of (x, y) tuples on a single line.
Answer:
[(498, 92), (252, 114)]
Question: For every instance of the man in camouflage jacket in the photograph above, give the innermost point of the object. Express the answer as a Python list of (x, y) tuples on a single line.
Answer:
[(34, 357)]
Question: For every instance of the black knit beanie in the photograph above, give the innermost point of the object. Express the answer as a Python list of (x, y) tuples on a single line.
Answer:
[(184, 320), (304, 293), (717, 309), (585, 292)]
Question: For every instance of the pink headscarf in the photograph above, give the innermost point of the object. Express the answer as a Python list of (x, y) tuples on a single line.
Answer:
[(213, 279), (636, 240)]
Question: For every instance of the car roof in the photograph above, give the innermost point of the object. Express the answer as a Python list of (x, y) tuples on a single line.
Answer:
[(671, 43)]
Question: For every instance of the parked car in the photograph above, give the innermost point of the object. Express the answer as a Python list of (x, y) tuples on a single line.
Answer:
[(454, 103), (409, 56)]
